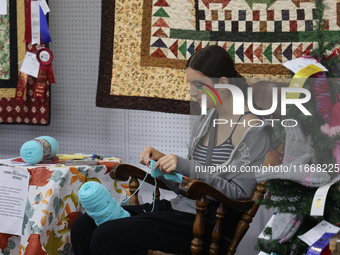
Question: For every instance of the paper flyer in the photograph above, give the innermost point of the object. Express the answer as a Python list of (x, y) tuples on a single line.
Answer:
[(13, 197)]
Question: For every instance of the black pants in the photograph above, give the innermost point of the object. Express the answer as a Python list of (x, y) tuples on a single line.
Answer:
[(164, 229)]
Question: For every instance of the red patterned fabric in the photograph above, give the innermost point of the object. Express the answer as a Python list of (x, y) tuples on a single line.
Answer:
[(30, 111)]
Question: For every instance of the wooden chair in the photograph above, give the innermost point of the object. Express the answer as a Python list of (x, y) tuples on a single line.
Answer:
[(198, 191)]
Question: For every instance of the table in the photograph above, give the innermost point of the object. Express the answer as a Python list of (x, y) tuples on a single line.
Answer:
[(53, 205)]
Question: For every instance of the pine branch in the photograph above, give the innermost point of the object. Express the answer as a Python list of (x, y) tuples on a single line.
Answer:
[(292, 197)]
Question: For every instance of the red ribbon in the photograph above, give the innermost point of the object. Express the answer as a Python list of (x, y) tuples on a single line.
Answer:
[(336, 52), (40, 86), (45, 74), (21, 87), (28, 28)]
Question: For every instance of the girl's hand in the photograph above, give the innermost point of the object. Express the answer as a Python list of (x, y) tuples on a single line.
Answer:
[(167, 164), (151, 153)]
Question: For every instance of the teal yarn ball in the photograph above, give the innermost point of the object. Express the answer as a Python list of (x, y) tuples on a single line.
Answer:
[(31, 152), (53, 143), (99, 204)]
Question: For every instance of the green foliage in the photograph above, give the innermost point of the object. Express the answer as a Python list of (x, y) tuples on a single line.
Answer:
[(295, 198), (52, 247), (292, 197)]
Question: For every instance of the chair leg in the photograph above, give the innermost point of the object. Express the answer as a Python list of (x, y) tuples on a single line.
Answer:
[(242, 228), (198, 228), (247, 218), (133, 186), (217, 232)]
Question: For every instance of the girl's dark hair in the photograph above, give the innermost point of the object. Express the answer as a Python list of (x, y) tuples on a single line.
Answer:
[(214, 62)]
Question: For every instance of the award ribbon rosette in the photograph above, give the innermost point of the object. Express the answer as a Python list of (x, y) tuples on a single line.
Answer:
[(45, 74)]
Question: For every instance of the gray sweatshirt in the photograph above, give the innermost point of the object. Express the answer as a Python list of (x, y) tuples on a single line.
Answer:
[(251, 151)]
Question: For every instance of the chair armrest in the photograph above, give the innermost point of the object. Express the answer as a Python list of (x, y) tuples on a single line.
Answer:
[(189, 187), (123, 172), (194, 189)]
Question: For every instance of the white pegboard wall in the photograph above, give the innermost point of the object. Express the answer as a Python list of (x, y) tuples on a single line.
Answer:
[(166, 132)]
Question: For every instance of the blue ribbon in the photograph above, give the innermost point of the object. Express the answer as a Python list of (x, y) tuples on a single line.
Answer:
[(45, 33)]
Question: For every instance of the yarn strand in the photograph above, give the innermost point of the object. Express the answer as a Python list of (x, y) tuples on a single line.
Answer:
[(153, 201)]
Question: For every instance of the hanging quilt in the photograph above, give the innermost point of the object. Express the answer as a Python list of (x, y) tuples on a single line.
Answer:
[(5, 47), (12, 53), (146, 44)]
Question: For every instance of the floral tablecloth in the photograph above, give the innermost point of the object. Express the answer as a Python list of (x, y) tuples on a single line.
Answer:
[(53, 205)]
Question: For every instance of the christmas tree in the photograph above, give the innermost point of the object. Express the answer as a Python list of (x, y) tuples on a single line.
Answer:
[(292, 197)]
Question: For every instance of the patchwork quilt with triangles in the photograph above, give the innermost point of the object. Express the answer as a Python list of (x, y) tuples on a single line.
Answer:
[(150, 41), (254, 32)]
